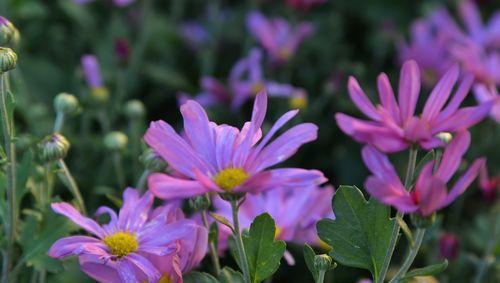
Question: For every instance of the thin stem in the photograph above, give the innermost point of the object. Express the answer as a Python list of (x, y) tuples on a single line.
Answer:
[(410, 257), (10, 150), (72, 186), (141, 184), (410, 169), (239, 242), (488, 257), (58, 124), (117, 162), (321, 276), (211, 245)]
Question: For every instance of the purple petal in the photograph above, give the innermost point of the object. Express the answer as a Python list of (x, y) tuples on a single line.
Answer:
[(452, 156), (99, 269), (86, 223), (463, 118), (432, 195), (380, 166), (166, 187), (387, 97), (464, 182), (361, 100), (471, 17), (92, 71), (77, 245), (143, 265), (283, 177), (457, 99), (409, 89), (440, 94), (390, 194), (224, 145), (135, 210)]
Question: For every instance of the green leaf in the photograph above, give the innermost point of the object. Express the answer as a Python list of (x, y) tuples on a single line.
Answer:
[(361, 232), (213, 234), (263, 252), (222, 220), (228, 275), (427, 271), (200, 277), (234, 250), (309, 255)]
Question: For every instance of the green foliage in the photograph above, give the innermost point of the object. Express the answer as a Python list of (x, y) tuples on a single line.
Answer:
[(427, 271), (309, 255), (200, 277), (228, 275), (263, 252), (361, 231)]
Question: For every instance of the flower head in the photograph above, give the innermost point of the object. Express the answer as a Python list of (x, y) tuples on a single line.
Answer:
[(92, 71), (429, 193), (394, 125), (120, 251), (222, 158), (277, 36)]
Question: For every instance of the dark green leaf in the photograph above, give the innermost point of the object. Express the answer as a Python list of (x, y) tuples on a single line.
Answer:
[(263, 252), (200, 277), (227, 275), (309, 255), (233, 250), (428, 270), (361, 231), (213, 234)]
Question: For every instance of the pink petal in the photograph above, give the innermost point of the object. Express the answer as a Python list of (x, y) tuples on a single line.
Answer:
[(432, 195), (166, 187), (390, 194), (361, 100), (77, 245), (452, 156), (380, 166), (457, 99), (387, 97), (135, 209), (99, 269), (70, 212), (144, 265), (283, 177), (463, 118), (440, 94), (464, 182), (409, 89)]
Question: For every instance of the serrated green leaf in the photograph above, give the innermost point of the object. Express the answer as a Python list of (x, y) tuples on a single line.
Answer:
[(200, 277), (361, 232), (309, 255), (228, 275), (427, 271), (263, 252)]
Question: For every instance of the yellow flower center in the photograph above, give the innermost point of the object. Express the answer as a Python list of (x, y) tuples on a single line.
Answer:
[(298, 102), (121, 243), (229, 178), (257, 87), (165, 278)]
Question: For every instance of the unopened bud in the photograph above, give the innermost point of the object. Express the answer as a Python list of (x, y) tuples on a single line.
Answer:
[(115, 141), (445, 137), (8, 59), (152, 161), (135, 109), (8, 32), (200, 203), (449, 246), (322, 262), (66, 103), (54, 147)]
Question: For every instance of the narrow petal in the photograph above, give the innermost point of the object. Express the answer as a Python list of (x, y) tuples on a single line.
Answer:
[(387, 97), (76, 245), (440, 94), (464, 182), (283, 177), (380, 166), (361, 100), (145, 266), (166, 187), (457, 99), (99, 269), (409, 89), (86, 223), (135, 209), (126, 271), (452, 156), (224, 145), (390, 194), (471, 17), (432, 195), (463, 118)]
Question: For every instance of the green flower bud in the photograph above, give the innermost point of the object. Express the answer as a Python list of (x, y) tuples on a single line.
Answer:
[(99, 95), (322, 262), (423, 221), (200, 203), (8, 59), (66, 103), (152, 161), (8, 32), (54, 147), (134, 109), (115, 141)]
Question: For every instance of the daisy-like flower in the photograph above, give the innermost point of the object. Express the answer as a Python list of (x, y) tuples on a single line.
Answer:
[(294, 210), (429, 193), (277, 36), (223, 159), (119, 251), (486, 94), (393, 126)]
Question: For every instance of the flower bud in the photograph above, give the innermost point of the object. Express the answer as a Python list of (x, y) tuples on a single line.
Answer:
[(54, 147), (115, 141), (449, 246), (134, 109), (322, 262), (200, 203), (8, 32), (445, 137), (152, 161), (66, 103), (8, 59), (423, 221)]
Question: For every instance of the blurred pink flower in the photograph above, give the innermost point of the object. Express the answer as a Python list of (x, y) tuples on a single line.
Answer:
[(194, 34), (223, 159), (486, 94), (449, 246), (489, 186), (277, 36), (92, 71), (119, 251), (303, 5), (429, 193), (393, 126)]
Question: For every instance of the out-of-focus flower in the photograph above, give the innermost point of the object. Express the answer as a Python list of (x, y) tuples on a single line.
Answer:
[(294, 210), (223, 159), (8, 32), (115, 141), (489, 186), (394, 125), (277, 36), (92, 73), (122, 50), (303, 5), (486, 94), (429, 193), (449, 246), (54, 147), (194, 34), (119, 3), (119, 251)]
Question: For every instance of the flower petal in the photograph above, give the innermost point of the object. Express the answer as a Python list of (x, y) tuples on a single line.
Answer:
[(77, 245), (464, 182), (361, 100), (452, 156), (440, 94), (387, 98), (166, 187), (283, 177), (135, 209), (86, 223), (409, 89), (143, 265), (99, 269), (390, 194)]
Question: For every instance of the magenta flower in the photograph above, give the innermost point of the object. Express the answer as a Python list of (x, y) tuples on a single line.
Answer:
[(429, 193), (304, 5), (489, 186), (449, 246), (393, 126), (277, 36), (484, 94), (294, 210), (119, 251), (92, 71), (223, 159)]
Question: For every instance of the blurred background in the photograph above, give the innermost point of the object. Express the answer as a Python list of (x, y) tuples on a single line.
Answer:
[(158, 52)]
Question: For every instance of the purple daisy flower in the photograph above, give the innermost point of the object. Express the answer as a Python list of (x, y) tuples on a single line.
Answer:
[(119, 251), (429, 193), (223, 159), (277, 36), (394, 126)]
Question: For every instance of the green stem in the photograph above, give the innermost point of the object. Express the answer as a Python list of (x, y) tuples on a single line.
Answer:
[(117, 162), (488, 258), (410, 257), (321, 276), (141, 184), (239, 242), (211, 245), (410, 169), (10, 150), (58, 124), (72, 186)]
